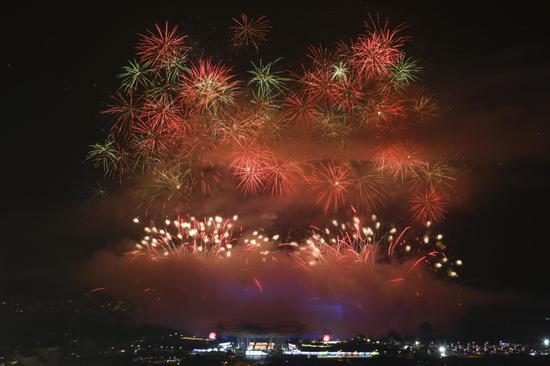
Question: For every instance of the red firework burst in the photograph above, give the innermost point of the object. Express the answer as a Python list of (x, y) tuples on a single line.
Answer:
[(382, 111), (428, 205), (249, 31), (125, 110), (239, 128), (300, 108), (158, 111), (372, 188), (332, 182), (399, 159), (250, 170), (282, 175), (346, 94), (151, 142), (162, 46), (320, 56), (319, 84), (207, 85), (376, 51)]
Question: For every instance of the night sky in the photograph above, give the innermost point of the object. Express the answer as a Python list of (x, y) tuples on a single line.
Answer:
[(487, 65)]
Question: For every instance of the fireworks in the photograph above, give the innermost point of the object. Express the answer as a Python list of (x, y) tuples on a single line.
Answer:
[(249, 31), (265, 80), (168, 186), (404, 72), (378, 50), (134, 76), (250, 171), (125, 110), (239, 127), (282, 176), (211, 236), (182, 125), (374, 242), (208, 85), (161, 46), (399, 159), (428, 205), (332, 182), (301, 108), (108, 157), (366, 242), (158, 111), (190, 132), (372, 188), (439, 176)]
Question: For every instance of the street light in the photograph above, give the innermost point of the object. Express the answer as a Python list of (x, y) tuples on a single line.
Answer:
[(546, 342)]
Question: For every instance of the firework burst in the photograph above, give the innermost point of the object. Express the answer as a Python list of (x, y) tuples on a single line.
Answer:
[(169, 186), (282, 176), (125, 109), (250, 170), (249, 31), (301, 108), (332, 182), (209, 86), (428, 205), (265, 80), (399, 159), (371, 242), (371, 188), (161, 46), (378, 50)]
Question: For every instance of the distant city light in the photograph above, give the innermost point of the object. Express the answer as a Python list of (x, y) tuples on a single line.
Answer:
[(546, 342), (326, 338), (212, 336), (442, 351)]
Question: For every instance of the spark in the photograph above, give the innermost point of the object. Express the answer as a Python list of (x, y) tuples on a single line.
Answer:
[(259, 285)]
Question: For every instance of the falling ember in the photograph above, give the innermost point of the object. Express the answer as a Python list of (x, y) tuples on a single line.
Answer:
[(258, 285)]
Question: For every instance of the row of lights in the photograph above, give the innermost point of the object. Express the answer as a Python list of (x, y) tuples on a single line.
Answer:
[(327, 337)]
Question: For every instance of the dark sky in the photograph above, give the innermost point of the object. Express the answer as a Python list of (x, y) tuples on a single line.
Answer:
[(488, 65)]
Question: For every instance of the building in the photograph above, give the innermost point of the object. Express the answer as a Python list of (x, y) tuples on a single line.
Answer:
[(260, 339)]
